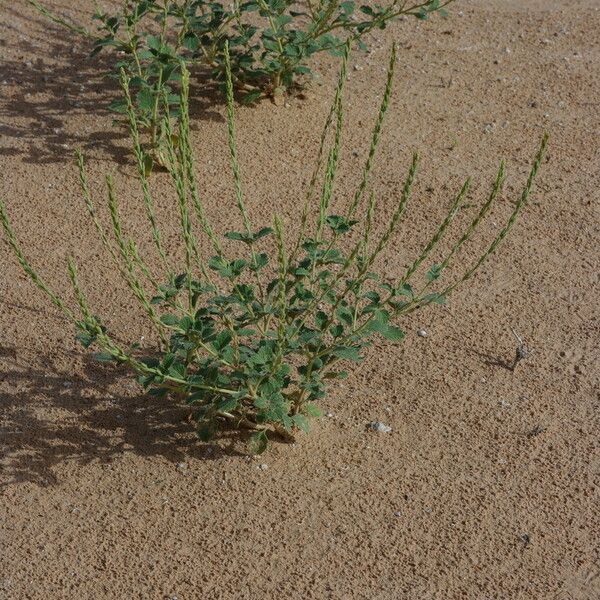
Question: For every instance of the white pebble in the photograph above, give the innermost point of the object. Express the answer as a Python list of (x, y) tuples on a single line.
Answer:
[(380, 427), (422, 333)]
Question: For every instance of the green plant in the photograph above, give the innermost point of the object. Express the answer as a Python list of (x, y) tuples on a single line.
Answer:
[(270, 44), (255, 343)]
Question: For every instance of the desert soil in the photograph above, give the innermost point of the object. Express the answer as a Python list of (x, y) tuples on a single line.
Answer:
[(487, 486)]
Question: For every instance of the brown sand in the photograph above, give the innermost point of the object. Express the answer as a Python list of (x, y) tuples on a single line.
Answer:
[(487, 488)]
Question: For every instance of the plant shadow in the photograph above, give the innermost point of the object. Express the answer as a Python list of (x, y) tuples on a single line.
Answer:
[(60, 84), (493, 361), (49, 416)]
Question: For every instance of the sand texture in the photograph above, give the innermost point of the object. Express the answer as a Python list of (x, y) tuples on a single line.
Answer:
[(487, 486)]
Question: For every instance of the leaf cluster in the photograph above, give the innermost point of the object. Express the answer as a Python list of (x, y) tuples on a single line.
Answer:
[(253, 336), (270, 43)]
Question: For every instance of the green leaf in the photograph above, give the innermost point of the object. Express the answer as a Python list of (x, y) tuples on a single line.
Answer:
[(145, 99), (251, 97), (312, 410), (434, 273), (347, 353), (321, 320), (340, 224), (380, 324), (227, 405), (347, 7), (260, 260), (153, 42), (169, 320), (85, 339), (258, 442), (301, 422), (235, 235), (434, 298), (262, 233)]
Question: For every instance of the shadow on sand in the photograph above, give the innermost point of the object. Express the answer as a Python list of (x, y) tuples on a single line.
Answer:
[(50, 416), (59, 82)]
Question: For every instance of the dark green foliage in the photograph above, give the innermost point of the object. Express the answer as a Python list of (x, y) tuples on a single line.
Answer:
[(270, 44)]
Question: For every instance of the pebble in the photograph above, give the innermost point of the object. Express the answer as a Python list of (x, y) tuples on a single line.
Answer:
[(263, 467), (329, 414), (182, 467), (422, 333), (397, 514), (380, 427)]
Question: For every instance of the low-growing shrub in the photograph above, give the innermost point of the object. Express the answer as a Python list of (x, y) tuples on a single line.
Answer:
[(270, 44), (252, 341)]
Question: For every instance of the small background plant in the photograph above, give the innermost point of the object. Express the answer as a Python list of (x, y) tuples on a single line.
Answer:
[(270, 44), (253, 339)]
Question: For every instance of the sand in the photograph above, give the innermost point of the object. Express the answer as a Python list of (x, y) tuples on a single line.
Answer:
[(486, 487)]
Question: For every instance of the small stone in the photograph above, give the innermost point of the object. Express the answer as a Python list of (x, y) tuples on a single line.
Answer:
[(397, 514), (329, 414), (380, 427), (422, 333), (489, 127), (358, 68), (263, 467), (182, 467), (525, 538), (355, 153)]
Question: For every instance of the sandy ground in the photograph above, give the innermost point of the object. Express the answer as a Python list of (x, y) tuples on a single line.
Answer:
[(487, 487)]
